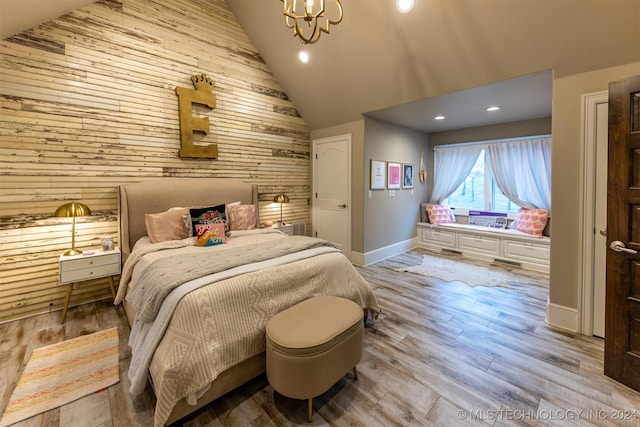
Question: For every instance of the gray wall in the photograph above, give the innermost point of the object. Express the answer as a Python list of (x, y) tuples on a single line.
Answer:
[(381, 220), (389, 220)]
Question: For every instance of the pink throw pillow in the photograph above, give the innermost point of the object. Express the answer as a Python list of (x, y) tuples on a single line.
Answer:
[(241, 217), (531, 221), (166, 225), (440, 214)]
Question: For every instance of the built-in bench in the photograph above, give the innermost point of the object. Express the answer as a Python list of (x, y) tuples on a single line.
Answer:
[(506, 246)]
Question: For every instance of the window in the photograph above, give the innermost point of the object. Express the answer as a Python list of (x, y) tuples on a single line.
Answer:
[(479, 191), (462, 175)]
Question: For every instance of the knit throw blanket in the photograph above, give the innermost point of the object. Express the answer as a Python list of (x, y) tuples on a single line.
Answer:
[(166, 274)]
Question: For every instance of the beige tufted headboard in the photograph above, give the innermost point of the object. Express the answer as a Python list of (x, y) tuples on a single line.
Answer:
[(158, 195)]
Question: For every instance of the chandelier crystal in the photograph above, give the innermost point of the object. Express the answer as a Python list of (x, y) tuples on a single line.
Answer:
[(307, 20)]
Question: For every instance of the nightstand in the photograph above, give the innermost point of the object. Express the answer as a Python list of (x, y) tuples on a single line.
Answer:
[(296, 229), (92, 264)]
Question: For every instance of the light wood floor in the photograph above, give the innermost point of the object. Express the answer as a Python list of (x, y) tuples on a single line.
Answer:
[(440, 354)]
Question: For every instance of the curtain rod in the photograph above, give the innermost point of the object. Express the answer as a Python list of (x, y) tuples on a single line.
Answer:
[(492, 141)]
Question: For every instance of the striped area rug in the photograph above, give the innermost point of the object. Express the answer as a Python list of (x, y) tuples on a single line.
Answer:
[(61, 373)]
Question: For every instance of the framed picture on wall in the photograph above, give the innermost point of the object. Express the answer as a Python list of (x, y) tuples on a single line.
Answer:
[(378, 174), (407, 175), (393, 176)]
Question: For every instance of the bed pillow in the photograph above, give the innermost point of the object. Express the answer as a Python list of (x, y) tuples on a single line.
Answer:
[(210, 234), (530, 221), (440, 214), (241, 217), (228, 205), (166, 225), (207, 215)]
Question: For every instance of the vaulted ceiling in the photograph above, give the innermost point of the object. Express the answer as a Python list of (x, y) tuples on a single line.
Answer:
[(450, 57), (20, 15), (378, 58)]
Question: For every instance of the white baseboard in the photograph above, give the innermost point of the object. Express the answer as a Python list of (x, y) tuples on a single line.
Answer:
[(364, 259), (562, 317)]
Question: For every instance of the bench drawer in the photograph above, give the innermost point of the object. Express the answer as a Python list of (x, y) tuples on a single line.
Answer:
[(526, 251), (442, 238), (469, 242)]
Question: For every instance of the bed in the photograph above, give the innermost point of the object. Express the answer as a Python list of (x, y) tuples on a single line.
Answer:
[(201, 333)]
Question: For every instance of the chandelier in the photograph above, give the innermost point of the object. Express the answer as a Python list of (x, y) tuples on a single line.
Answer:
[(302, 17)]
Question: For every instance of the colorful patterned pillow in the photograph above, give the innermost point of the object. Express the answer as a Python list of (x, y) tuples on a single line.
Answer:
[(207, 215), (530, 221), (440, 214), (241, 217), (210, 234), (166, 225)]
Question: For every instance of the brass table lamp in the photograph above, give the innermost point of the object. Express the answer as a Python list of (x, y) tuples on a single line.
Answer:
[(281, 198), (72, 210)]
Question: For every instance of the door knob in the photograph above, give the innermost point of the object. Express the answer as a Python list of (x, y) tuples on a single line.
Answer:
[(603, 231), (618, 246), (344, 205)]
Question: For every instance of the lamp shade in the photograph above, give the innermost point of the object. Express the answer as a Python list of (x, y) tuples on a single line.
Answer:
[(72, 210), (281, 198)]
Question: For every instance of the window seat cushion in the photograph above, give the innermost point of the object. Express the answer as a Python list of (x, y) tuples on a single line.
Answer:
[(424, 218)]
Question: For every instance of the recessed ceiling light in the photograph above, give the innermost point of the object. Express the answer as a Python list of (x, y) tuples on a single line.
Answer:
[(303, 57), (438, 118), (404, 6), (493, 108)]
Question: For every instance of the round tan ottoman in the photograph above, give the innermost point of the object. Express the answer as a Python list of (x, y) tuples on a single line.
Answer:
[(313, 344)]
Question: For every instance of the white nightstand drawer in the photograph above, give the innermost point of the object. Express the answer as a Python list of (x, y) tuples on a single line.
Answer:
[(89, 273), (286, 229), (81, 262), (293, 229)]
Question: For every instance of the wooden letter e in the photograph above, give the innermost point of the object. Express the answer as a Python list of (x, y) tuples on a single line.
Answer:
[(189, 124)]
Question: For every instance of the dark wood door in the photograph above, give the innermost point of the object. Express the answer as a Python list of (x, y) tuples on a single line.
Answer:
[(622, 312)]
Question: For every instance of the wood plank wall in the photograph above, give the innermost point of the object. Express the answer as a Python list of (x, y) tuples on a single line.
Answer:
[(87, 102)]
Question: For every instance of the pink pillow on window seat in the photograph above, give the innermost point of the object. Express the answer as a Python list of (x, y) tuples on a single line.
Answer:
[(440, 214), (531, 221)]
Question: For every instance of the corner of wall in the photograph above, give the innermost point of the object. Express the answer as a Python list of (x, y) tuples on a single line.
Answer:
[(363, 259), (562, 317)]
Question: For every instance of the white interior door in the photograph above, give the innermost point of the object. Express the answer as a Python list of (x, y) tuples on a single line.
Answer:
[(600, 240), (331, 212), (594, 165)]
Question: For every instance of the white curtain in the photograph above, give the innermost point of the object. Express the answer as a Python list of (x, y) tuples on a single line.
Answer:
[(522, 171), (452, 165)]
